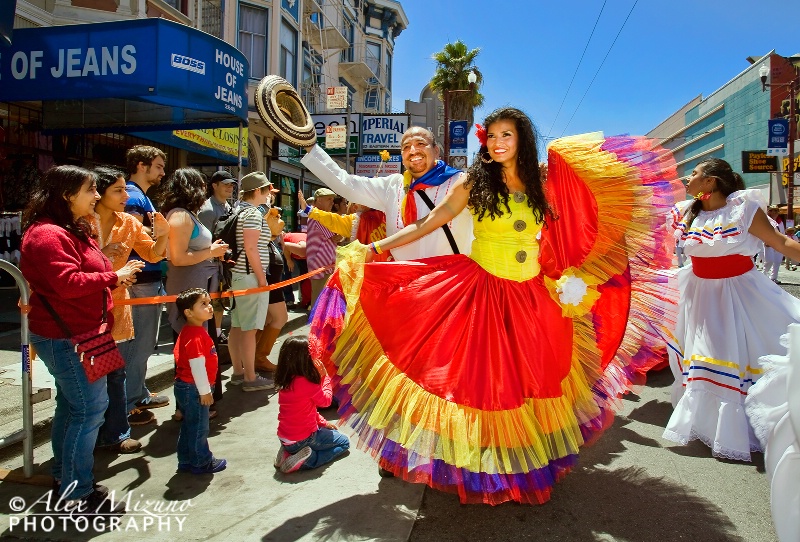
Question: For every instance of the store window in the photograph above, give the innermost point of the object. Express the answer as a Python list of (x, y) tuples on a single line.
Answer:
[(253, 38), (286, 199)]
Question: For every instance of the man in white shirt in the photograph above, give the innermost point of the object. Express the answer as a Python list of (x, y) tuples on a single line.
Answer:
[(398, 197)]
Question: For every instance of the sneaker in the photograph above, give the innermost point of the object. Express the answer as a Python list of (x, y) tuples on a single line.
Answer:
[(223, 338), (127, 446), (236, 380), (260, 383), (140, 417), (153, 401), (184, 467), (215, 465), (281, 457), (295, 461)]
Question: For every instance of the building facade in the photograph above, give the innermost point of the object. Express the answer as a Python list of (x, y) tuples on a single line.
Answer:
[(314, 44), (730, 120)]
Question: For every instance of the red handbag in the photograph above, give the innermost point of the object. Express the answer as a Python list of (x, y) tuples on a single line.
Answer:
[(96, 349)]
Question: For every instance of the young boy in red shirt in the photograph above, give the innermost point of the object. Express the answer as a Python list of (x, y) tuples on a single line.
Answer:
[(195, 374)]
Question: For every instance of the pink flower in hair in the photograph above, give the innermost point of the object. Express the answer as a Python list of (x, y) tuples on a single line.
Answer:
[(480, 133)]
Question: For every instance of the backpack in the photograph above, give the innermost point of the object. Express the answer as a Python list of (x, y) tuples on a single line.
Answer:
[(225, 231)]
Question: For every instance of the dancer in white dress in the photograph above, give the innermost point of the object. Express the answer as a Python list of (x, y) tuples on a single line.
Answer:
[(729, 314)]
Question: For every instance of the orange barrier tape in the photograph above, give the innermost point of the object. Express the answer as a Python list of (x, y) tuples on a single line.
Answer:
[(230, 293)]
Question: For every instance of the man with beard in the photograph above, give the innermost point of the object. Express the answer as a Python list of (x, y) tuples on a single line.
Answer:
[(146, 169), (402, 197)]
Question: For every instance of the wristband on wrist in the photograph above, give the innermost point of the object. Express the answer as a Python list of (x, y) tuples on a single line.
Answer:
[(307, 209), (376, 248)]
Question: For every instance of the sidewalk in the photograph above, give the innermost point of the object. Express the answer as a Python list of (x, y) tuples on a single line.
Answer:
[(250, 500)]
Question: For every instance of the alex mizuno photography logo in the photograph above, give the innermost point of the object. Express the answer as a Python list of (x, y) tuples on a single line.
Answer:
[(122, 512)]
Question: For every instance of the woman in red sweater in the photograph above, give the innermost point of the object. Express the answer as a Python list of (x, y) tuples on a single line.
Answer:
[(307, 439), (63, 264)]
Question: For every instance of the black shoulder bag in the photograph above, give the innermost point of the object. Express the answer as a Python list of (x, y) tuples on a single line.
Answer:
[(445, 227)]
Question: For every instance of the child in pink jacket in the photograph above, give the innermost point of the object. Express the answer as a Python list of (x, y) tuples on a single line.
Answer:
[(307, 439)]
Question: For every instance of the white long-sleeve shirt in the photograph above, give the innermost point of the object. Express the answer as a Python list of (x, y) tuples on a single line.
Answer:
[(386, 194)]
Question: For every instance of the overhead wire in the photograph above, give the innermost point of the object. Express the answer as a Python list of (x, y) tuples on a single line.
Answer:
[(600, 67), (576, 70)]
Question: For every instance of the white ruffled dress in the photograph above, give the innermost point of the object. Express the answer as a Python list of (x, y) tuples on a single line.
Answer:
[(724, 326)]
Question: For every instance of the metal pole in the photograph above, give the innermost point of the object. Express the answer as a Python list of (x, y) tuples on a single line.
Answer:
[(26, 435), (792, 135), (446, 95), (239, 174), (347, 136)]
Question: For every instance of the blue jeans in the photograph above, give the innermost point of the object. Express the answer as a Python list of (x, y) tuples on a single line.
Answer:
[(137, 351), (79, 412), (193, 437), (115, 428), (326, 445)]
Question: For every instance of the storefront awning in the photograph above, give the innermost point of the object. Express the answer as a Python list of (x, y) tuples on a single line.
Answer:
[(220, 144), (141, 75)]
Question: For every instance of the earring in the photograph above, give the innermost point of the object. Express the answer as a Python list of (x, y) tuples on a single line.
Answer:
[(702, 196), (485, 160)]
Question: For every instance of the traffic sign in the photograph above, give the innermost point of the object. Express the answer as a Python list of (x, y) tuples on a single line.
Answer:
[(337, 98), (335, 137)]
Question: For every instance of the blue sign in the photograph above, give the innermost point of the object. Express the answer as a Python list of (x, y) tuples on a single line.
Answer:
[(150, 60), (459, 129), (778, 137)]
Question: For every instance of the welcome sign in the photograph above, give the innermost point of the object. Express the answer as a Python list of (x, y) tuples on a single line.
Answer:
[(382, 132)]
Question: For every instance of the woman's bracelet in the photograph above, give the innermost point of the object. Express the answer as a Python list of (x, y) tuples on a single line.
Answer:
[(376, 248)]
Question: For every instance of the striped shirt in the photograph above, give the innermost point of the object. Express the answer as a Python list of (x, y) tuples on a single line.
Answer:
[(251, 218), (320, 250)]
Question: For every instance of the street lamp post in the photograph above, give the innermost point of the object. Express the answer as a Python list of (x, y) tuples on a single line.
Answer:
[(472, 79), (763, 72)]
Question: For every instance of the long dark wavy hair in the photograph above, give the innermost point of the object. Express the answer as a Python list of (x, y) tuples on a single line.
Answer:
[(50, 200), (186, 188), (485, 181), (728, 182), (295, 360)]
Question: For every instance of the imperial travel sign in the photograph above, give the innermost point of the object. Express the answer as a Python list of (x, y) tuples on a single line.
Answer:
[(382, 132)]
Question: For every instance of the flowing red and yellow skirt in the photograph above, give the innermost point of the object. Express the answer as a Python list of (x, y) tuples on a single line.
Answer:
[(487, 387)]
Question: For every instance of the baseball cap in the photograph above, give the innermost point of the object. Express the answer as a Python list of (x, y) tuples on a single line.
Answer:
[(322, 192), (222, 176), (257, 179)]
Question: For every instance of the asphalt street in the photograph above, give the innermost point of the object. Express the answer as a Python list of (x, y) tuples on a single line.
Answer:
[(631, 485)]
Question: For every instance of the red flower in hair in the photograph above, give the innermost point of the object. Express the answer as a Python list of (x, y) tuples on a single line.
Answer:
[(480, 133)]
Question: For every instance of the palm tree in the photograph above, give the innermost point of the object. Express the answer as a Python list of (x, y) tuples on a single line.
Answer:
[(453, 64)]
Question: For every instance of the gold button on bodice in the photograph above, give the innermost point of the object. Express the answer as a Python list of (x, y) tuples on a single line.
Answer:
[(522, 256), (520, 225), (519, 197)]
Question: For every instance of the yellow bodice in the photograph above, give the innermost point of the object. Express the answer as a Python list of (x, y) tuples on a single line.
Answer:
[(508, 246)]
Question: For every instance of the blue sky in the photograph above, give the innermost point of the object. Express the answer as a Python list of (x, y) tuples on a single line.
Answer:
[(668, 52)]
